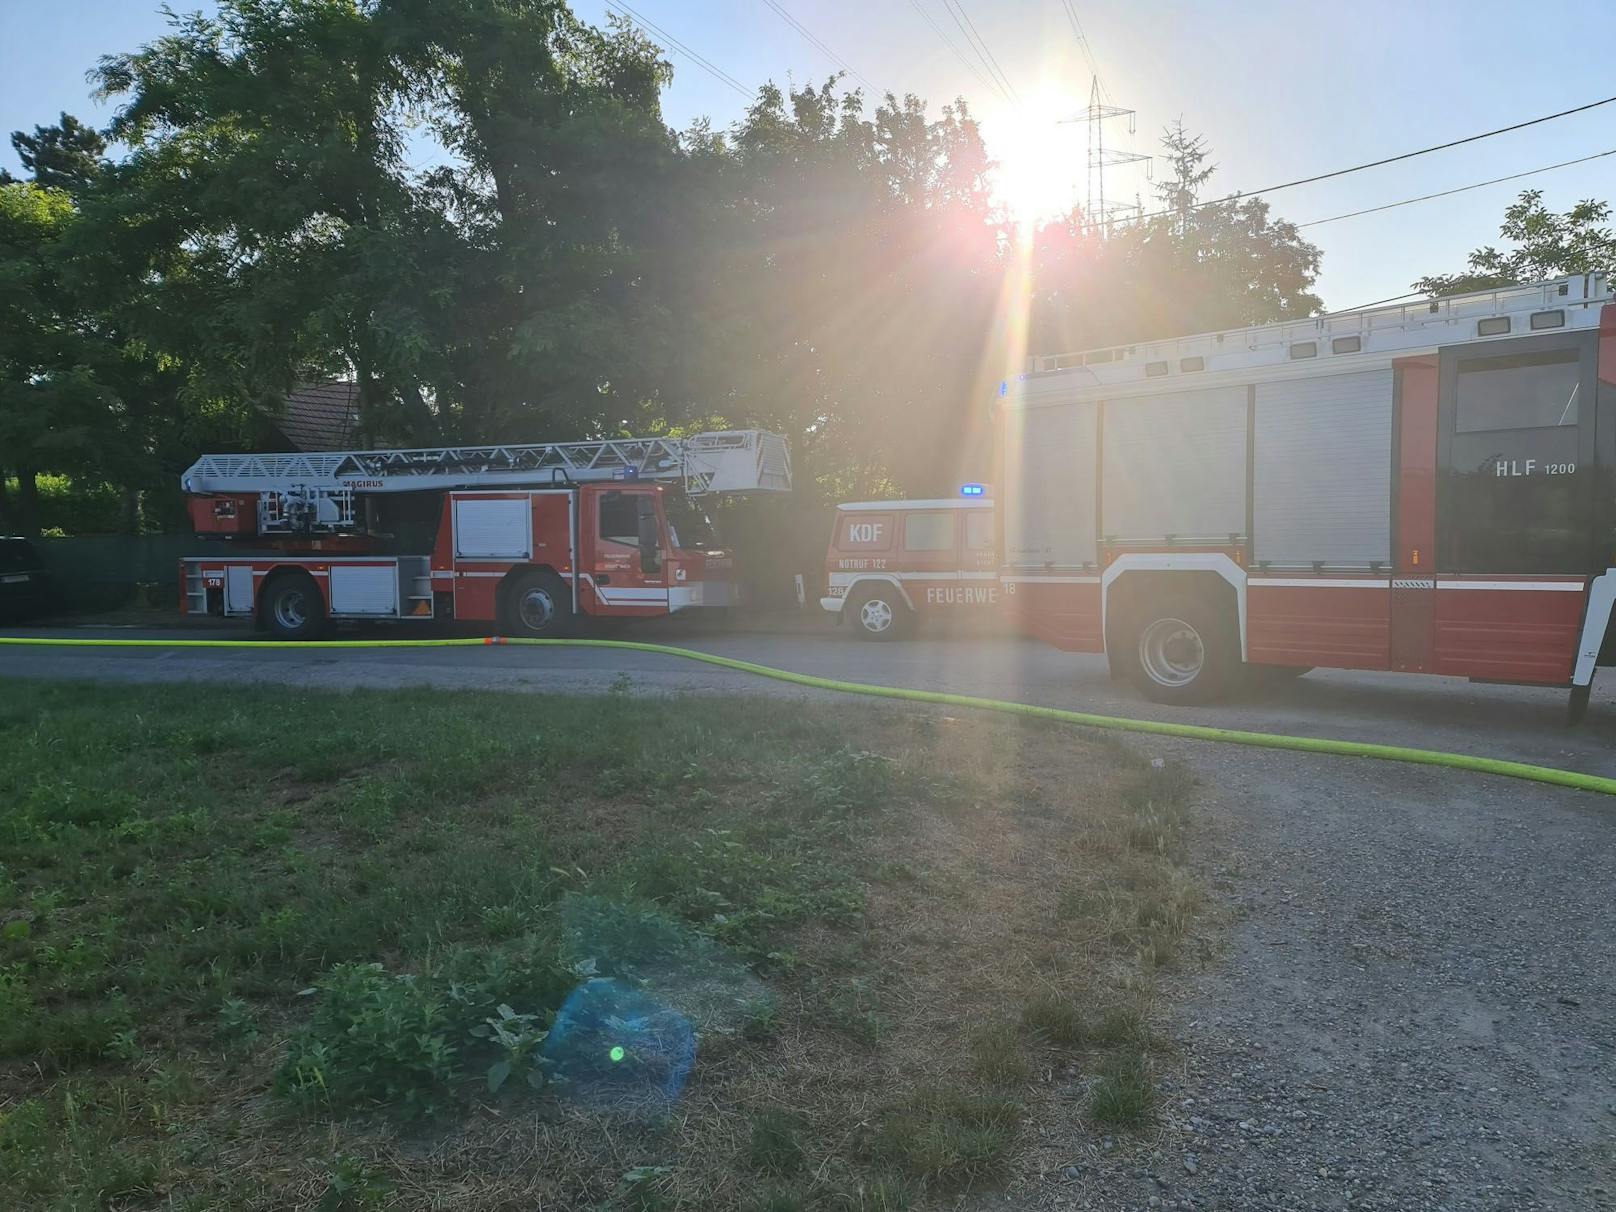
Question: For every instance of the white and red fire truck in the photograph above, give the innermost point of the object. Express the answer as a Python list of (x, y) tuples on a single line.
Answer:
[(1428, 487), (894, 563), (533, 537)]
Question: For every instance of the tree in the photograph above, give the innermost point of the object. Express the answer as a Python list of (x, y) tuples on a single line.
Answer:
[(1186, 159), (1548, 245), (1199, 267), (493, 292), (844, 281), (475, 210), (53, 402), (66, 156)]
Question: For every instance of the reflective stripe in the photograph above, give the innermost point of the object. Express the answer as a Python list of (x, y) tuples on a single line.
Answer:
[(1319, 583), (1033, 580), (1537, 586)]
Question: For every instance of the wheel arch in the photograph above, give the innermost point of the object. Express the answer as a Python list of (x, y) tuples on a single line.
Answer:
[(881, 579), (1596, 644), (281, 572), (517, 571), (1137, 578)]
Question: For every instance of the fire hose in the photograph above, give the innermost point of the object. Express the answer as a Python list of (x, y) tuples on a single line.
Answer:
[(1550, 775)]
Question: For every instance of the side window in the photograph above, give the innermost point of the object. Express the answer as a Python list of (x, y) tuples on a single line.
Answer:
[(865, 532), (1524, 391), (979, 530), (928, 532), (1512, 500), (620, 518)]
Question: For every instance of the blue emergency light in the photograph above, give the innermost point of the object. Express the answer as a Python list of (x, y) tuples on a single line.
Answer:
[(973, 490)]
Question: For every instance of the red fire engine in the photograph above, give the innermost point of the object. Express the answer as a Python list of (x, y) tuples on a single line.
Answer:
[(533, 537), (1424, 488), (894, 563)]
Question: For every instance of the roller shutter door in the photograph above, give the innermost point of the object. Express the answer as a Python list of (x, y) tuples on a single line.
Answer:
[(1323, 467), (1049, 519), (1175, 465), (493, 528)]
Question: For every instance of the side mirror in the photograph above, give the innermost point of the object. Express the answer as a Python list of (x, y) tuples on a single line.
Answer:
[(650, 537)]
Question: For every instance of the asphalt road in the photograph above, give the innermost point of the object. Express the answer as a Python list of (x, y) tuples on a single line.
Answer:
[(1414, 1002), (1438, 713)]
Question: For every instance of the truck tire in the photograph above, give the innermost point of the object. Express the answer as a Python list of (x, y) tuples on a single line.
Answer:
[(537, 605), (879, 613), (291, 607), (1182, 650)]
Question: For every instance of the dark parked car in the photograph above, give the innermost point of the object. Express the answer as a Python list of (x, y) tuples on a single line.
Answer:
[(25, 587)]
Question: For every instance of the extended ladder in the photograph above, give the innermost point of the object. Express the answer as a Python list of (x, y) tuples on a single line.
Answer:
[(314, 491), (729, 461)]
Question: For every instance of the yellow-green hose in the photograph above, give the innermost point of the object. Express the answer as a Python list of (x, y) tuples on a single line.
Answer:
[(1195, 732)]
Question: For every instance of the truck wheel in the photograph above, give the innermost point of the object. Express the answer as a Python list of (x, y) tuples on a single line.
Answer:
[(537, 606), (1183, 651), (291, 607), (879, 613)]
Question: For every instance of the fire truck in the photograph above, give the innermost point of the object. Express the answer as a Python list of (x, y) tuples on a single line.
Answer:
[(1424, 487), (892, 564), (533, 538)]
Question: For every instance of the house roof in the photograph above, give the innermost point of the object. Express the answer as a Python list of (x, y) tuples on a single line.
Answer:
[(321, 416)]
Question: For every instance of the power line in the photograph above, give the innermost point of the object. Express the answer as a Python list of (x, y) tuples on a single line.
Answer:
[(992, 59), (1375, 303), (1083, 43), (1502, 130), (1358, 168), (1531, 172), (956, 9), (825, 50), (958, 54), (712, 69)]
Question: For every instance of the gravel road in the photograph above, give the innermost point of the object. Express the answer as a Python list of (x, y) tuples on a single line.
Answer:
[(1416, 1010), (1415, 1006)]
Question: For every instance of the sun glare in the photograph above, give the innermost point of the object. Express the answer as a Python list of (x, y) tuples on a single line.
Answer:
[(1039, 156)]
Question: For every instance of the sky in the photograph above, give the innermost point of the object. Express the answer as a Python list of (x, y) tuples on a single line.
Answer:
[(1280, 90)]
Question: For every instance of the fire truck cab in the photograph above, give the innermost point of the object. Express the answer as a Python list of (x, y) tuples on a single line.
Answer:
[(535, 539), (892, 564)]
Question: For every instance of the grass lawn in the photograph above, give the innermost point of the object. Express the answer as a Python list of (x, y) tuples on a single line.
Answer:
[(269, 949)]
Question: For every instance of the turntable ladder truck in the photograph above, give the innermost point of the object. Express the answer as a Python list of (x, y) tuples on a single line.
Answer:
[(535, 539)]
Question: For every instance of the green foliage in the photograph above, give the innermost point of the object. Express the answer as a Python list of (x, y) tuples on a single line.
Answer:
[(1124, 1094), (1056, 1020), (375, 1039), (66, 156), (518, 1040), (1196, 266), (998, 1056), (182, 860), (948, 1138), (1547, 245), (353, 1186), (563, 264)]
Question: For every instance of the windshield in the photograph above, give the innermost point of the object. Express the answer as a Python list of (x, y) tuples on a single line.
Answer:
[(689, 524)]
